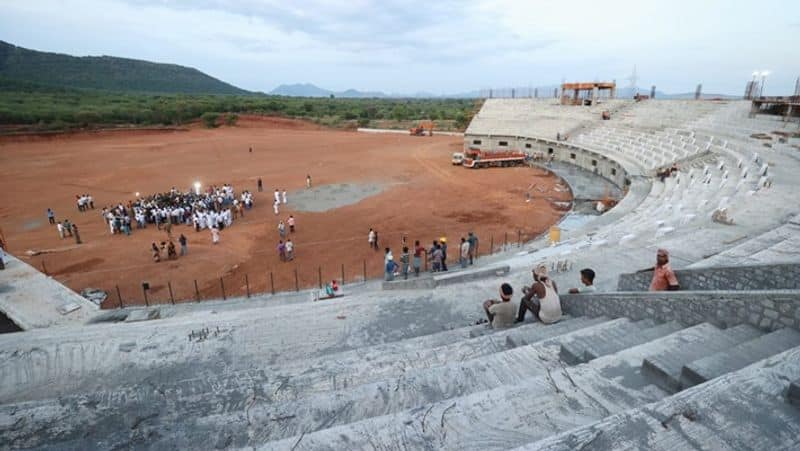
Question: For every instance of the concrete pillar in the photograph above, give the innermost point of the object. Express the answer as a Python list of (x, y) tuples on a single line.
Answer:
[(614, 92), (698, 92), (594, 95), (653, 92)]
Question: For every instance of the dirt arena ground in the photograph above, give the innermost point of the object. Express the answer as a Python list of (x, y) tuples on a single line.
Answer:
[(412, 190)]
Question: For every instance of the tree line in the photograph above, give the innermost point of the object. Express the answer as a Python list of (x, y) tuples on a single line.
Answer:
[(44, 108)]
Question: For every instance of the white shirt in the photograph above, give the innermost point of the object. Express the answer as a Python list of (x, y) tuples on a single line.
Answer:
[(289, 246)]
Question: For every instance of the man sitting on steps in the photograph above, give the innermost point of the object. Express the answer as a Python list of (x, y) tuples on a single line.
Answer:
[(541, 298), (501, 313)]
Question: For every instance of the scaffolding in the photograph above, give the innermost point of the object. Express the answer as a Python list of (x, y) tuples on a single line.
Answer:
[(586, 93)]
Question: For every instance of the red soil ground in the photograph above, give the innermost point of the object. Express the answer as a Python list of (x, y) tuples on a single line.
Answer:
[(426, 197)]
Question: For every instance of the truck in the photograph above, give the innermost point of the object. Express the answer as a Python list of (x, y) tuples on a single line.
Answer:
[(476, 158)]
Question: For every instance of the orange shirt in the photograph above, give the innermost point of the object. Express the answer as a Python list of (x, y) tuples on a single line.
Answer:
[(663, 277)]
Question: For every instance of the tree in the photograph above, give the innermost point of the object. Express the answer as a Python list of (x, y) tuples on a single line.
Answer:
[(230, 119)]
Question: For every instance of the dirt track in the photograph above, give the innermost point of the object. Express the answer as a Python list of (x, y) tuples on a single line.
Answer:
[(424, 197)]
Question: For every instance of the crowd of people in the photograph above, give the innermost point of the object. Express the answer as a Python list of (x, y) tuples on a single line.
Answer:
[(436, 254)]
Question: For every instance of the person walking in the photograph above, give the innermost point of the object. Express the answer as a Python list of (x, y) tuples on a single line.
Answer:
[(308, 181), (290, 221), (51, 217), (289, 250), (183, 242), (281, 251), (283, 196), (77, 235), (371, 238), (60, 229), (376, 240), (156, 252), (67, 228), (282, 229), (260, 185), (214, 234)]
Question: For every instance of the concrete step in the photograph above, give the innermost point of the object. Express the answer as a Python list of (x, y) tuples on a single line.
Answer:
[(738, 356), (573, 351), (601, 348), (793, 393), (288, 398), (159, 353), (664, 368), (496, 419), (739, 410)]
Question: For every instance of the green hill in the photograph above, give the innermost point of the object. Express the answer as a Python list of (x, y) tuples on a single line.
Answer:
[(106, 73)]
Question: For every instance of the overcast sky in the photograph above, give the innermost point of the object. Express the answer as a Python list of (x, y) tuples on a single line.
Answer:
[(436, 46)]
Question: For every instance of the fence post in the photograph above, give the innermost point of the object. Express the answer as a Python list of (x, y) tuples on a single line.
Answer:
[(171, 297), (196, 291), (365, 271), (146, 302), (222, 285), (342, 273), (425, 258), (272, 282), (519, 238), (296, 282), (247, 284), (119, 298), (319, 275), (491, 246), (505, 241)]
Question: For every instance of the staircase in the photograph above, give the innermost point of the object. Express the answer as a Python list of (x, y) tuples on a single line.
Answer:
[(588, 383)]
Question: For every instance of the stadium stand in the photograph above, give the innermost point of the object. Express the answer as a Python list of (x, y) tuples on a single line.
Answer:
[(707, 369)]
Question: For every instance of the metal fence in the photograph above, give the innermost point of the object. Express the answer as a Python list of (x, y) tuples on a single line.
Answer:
[(290, 276)]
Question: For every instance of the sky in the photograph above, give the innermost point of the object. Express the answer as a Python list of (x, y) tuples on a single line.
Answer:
[(440, 47)]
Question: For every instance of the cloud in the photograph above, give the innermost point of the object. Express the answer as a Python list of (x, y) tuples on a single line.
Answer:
[(445, 45)]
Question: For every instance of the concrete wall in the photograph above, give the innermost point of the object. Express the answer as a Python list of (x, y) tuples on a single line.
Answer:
[(767, 310), (758, 277), (564, 152)]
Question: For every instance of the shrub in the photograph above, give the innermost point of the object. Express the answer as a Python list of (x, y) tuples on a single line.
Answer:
[(230, 119), (210, 119)]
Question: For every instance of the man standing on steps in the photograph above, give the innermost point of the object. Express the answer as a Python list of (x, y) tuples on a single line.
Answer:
[(464, 253), (472, 239), (663, 276)]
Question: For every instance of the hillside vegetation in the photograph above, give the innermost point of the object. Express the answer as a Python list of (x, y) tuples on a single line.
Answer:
[(48, 92), (105, 73), (27, 107)]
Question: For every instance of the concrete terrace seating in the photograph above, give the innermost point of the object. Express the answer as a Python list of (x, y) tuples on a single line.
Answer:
[(412, 392), (542, 118)]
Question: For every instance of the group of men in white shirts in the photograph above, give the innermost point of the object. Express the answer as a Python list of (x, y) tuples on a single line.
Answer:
[(280, 198), (216, 208), (84, 201)]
